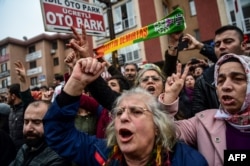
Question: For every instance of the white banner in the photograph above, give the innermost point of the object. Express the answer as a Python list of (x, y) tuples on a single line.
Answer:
[(60, 15)]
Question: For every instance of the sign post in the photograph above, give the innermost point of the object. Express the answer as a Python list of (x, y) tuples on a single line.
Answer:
[(60, 15)]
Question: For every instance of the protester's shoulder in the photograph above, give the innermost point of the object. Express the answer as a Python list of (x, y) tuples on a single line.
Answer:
[(49, 156), (48, 151), (208, 113), (188, 154), (184, 148)]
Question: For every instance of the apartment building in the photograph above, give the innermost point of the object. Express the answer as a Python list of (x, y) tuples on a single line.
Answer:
[(130, 15), (42, 56), (203, 17)]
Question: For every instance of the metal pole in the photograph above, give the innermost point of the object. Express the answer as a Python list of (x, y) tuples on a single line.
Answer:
[(111, 31)]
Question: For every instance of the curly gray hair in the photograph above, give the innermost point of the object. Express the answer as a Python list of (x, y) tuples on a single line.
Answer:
[(166, 136)]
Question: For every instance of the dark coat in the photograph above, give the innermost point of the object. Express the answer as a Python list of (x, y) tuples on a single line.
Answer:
[(86, 150), (16, 125), (205, 96), (42, 156)]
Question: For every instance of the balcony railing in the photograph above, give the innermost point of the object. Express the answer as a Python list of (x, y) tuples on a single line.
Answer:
[(123, 25), (33, 71), (246, 29), (33, 56), (5, 74), (128, 23)]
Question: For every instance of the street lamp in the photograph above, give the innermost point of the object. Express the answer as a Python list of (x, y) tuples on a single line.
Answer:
[(109, 3)]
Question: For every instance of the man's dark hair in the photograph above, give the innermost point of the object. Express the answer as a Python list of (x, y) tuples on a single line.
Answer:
[(230, 27), (232, 59), (136, 66), (59, 77), (122, 81), (15, 89)]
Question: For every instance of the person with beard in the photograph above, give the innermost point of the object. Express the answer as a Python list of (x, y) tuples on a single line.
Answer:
[(130, 72), (35, 150)]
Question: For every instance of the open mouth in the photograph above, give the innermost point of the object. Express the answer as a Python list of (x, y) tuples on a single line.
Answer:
[(151, 89), (227, 99), (125, 135)]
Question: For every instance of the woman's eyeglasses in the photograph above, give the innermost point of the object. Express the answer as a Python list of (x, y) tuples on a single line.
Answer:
[(154, 78), (132, 111)]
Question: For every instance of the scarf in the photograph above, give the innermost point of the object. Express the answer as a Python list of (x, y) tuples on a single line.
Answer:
[(158, 157), (190, 93), (240, 120)]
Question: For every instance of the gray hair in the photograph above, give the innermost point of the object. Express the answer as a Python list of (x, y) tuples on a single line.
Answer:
[(147, 67), (166, 136)]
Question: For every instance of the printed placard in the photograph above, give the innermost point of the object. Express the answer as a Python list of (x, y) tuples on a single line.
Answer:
[(60, 15)]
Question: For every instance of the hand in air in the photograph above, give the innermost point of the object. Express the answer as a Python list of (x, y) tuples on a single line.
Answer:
[(79, 43), (175, 83), (20, 71)]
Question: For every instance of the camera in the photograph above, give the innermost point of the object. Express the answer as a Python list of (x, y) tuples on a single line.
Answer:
[(182, 44)]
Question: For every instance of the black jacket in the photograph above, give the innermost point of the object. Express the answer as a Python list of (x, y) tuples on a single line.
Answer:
[(42, 156), (16, 125), (205, 96)]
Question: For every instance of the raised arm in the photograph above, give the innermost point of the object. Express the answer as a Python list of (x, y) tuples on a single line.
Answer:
[(174, 84), (171, 54), (24, 86), (206, 50), (61, 134), (107, 97)]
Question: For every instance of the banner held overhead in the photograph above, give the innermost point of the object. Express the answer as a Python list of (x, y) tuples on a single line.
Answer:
[(174, 22)]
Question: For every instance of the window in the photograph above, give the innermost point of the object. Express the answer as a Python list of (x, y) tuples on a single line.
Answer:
[(32, 49), (243, 7), (33, 81), (127, 15), (54, 45), (123, 18), (131, 53), (3, 67), (66, 42), (56, 61), (3, 51), (192, 7), (129, 57), (197, 34), (136, 54), (4, 83), (32, 64)]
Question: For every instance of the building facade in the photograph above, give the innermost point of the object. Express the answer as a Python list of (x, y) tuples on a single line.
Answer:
[(43, 55), (203, 17)]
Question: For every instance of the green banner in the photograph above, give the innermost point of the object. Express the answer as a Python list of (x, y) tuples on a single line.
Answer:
[(174, 22)]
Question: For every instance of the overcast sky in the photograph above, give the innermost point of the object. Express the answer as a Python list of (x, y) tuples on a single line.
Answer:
[(20, 18)]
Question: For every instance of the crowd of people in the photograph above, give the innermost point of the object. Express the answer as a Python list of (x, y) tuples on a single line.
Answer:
[(180, 114)]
